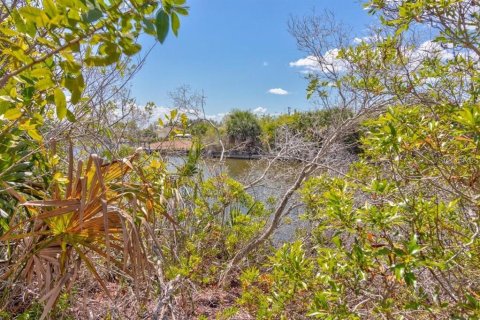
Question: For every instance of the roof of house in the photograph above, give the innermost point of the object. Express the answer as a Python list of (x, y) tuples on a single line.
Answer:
[(172, 145)]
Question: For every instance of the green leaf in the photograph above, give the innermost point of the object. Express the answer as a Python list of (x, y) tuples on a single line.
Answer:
[(399, 270), (175, 23), (92, 15), (71, 116), (149, 26), (182, 10), (50, 8), (29, 13), (75, 85), (19, 23), (44, 84), (312, 87), (401, 29), (410, 279), (163, 24), (131, 48), (13, 114), (61, 103), (173, 114), (34, 134), (76, 96)]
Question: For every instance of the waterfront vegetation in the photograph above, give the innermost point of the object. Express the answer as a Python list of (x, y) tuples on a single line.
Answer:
[(244, 132), (384, 189)]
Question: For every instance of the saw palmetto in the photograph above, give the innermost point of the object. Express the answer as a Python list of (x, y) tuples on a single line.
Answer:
[(85, 221)]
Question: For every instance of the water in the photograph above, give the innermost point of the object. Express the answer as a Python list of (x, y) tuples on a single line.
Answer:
[(275, 180)]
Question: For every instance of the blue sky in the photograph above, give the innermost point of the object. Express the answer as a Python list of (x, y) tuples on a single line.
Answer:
[(236, 51)]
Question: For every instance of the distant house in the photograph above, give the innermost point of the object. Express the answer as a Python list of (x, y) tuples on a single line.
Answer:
[(171, 146), (169, 131), (183, 136), (171, 140)]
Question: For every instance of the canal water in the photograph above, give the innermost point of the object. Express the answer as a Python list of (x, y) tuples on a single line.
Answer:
[(274, 183)]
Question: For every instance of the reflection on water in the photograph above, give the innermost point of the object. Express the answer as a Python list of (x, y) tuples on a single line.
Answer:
[(274, 183), (276, 179)]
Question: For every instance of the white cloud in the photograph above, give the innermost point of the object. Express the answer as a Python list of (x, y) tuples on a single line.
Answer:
[(160, 112), (278, 91), (359, 40), (367, 39), (331, 59), (259, 110), (310, 63), (216, 117), (328, 62), (470, 54), (431, 49)]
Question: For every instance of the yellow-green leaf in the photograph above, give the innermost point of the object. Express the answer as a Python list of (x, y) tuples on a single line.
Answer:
[(13, 114), (34, 134), (50, 8), (175, 23), (61, 103)]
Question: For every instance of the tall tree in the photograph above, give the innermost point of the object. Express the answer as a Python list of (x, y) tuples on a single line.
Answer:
[(243, 128)]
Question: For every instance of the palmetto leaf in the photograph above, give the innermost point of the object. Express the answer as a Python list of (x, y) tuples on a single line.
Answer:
[(87, 219)]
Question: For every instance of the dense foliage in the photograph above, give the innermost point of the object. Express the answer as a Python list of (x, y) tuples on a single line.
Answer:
[(245, 130), (52, 223), (242, 127), (393, 235), (397, 235)]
